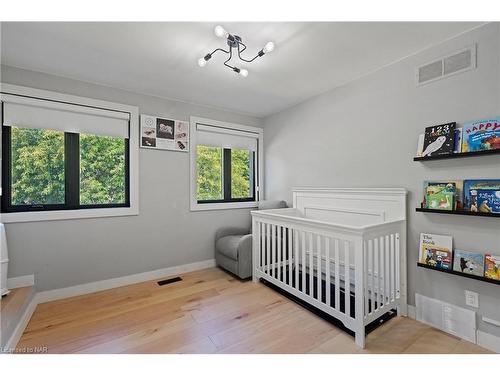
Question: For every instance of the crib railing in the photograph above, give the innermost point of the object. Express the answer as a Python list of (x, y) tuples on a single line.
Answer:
[(353, 275)]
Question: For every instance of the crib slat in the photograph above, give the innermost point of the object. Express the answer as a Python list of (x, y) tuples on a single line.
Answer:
[(347, 279), (303, 268), (273, 250), (372, 272), (376, 273), (387, 274), (366, 246), (381, 275), (337, 275), (311, 266), (398, 265), (327, 271), (268, 248), (380, 261), (278, 260), (296, 246), (290, 244), (319, 274), (392, 270)]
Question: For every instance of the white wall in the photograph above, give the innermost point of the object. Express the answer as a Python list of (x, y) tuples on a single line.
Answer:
[(365, 134), (165, 234)]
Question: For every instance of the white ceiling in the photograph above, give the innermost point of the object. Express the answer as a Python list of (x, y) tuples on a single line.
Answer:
[(161, 58)]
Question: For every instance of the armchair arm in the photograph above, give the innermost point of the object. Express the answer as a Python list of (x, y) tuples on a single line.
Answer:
[(230, 231), (245, 256)]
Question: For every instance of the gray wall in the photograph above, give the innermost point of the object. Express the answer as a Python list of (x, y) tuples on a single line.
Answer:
[(164, 234), (365, 134)]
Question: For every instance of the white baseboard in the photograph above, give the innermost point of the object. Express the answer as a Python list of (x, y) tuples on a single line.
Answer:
[(20, 281), (412, 312), (97, 286), (21, 326), (488, 341), (72, 291)]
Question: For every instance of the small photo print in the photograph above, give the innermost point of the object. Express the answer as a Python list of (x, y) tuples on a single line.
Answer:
[(148, 142), (149, 132), (181, 130), (164, 128), (181, 145)]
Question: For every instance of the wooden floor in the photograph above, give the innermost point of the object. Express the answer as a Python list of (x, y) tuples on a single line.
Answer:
[(211, 312)]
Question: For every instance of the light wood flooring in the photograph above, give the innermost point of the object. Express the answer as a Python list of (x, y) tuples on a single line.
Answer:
[(210, 311)]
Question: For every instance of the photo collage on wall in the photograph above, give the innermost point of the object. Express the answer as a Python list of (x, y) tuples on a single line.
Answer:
[(164, 134)]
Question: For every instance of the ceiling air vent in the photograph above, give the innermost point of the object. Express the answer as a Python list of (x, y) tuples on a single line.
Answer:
[(457, 62)]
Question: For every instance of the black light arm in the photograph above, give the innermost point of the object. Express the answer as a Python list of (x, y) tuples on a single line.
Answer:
[(260, 54)]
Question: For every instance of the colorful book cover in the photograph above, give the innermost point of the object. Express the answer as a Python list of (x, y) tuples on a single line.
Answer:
[(439, 139), (492, 266), (481, 135), (458, 141), (440, 196), (482, 195), (436, 250), (469, 263)]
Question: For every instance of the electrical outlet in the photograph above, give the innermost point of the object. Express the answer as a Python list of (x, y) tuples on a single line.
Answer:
[(472, 299)]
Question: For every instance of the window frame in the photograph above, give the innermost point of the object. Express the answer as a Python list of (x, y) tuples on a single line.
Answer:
[(11, 214), (227, 180), (257, 165)]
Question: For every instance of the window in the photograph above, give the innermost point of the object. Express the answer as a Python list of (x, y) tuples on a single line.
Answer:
[(59, 156), (224, 165)]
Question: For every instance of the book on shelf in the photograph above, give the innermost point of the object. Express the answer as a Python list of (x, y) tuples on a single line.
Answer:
[(436, 250), (492, 266), (439, 139), (443, 195), (468, 262), (482, 195), (457, 147), (481, 135), (420, 145)]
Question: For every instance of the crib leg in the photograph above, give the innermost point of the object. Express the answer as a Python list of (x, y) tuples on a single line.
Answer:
[(402, 308), (360, 337)]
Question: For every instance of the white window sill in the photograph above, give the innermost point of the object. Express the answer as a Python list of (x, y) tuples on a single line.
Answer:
[(23, 217), (222, 206)]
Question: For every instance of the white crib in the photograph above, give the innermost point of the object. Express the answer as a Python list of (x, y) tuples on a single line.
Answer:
[(335, 243)]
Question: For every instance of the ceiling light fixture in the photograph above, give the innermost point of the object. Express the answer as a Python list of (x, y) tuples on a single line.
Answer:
[(234, 41)]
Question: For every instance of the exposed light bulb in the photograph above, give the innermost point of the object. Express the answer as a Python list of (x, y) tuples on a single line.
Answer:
[(269, 47), (202, 62), (220, 32), (244, 72)]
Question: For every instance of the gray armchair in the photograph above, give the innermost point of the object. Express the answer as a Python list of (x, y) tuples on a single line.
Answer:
[(233, 246)]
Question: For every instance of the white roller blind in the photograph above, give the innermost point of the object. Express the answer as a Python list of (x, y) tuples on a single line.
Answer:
[(226, 138), (46, 114)]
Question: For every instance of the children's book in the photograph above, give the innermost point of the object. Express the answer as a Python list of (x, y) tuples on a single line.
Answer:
[(436, 250), (440, 196), (469, 263), (420, 145), (458, 141), (481, 135), (482, 195), (492, 266), (439, 139)]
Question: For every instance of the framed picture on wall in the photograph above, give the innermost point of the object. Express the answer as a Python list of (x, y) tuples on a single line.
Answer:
[(164, 134)]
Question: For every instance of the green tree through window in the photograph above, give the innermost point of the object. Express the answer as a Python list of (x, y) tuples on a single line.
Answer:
[(37, 166), (102, 169), (209, 167)]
